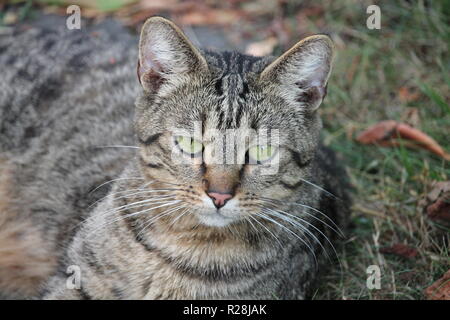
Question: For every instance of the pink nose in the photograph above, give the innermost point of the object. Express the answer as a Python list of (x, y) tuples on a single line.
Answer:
[(219, 199)]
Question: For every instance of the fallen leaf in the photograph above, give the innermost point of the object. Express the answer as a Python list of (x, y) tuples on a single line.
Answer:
[(406, 94), (440, 290), (440, 209), (262, 48), (378, 132), (438, 189), (401, 250), (436, 204), (387, 134)]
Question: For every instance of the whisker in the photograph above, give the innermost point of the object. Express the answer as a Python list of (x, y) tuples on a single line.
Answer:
[(133, 194), (278, 202), (122, 217), (278, 213), (110, 194), (318, 187), (103, 198), (138, 204), (251, 223), (113, 180), (165, 213), (128, 206), (339, 231), (270, 232), (179, 216), (159, 216), (117, 146), (293, 233)]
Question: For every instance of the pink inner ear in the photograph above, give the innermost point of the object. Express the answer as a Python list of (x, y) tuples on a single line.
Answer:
[(149, 62), (313, 95), (149, 72)]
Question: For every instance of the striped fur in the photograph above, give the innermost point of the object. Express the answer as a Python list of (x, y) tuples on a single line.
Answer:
[(152, 233)]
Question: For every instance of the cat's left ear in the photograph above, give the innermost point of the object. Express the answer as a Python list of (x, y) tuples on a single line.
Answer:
[(165, 54), (303, 71)]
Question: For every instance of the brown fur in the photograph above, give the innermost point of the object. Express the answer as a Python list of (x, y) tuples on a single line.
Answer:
[(24, 262)]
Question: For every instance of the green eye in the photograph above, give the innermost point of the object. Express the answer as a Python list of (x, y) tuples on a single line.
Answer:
[(261, 153), (189, 145)]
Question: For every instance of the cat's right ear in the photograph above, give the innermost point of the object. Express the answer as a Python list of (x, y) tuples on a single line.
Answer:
[(165, 54)]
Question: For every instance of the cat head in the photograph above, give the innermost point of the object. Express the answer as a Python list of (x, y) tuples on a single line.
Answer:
[(226, 132)]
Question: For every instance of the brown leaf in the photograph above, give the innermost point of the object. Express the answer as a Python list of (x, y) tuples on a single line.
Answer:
[(440, 290), (387, 134), (440, 209), (437, 202), (406, 94), (378, 132), (401, 250), (439, 188)]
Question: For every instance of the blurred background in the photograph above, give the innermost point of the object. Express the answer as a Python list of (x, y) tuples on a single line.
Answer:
[(401, 210)]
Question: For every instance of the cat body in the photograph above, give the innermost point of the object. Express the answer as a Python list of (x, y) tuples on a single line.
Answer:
[(101, 200)]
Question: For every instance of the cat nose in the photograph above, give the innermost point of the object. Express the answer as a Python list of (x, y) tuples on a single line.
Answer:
[(219, 199)]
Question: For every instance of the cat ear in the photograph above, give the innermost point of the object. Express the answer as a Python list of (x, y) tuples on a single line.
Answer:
[(165, 54), (302, 72)]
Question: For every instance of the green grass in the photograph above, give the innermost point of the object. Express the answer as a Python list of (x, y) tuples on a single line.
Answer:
[(410, 50)]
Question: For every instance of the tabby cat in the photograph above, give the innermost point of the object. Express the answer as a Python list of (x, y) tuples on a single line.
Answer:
[(96, 205)]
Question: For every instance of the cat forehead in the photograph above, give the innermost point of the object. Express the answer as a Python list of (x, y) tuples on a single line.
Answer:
[(234, 99), (233, 62), (230, 97)]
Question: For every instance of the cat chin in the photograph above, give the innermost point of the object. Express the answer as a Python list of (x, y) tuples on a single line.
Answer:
[(215, 219)]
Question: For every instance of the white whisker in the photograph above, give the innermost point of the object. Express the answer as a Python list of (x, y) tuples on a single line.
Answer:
[(113, 180), (179, 216), (278, 213), (323, 214), (278, 202), (118, 146), (165, 204), (159, 216), (320, 188), (293, 233), (270, 232)]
